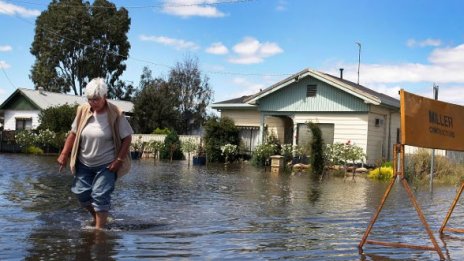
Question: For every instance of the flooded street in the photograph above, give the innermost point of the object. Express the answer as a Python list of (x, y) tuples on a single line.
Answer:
[(173, 211)]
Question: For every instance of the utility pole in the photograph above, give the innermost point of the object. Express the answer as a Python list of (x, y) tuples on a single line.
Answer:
[(359, 58), (432, 165)]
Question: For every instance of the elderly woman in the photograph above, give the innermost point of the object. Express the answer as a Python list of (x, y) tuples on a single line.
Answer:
[(98, 146)]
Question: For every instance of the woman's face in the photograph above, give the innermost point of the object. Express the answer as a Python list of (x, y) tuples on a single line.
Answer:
[(97, 103)]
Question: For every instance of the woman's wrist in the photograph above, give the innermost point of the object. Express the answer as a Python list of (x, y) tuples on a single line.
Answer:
[(119, 159)]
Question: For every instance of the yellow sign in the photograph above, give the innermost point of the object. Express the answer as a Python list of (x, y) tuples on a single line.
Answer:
[(431, 124)]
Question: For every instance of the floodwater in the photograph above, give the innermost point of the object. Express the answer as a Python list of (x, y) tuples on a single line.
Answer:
[(170, 211)]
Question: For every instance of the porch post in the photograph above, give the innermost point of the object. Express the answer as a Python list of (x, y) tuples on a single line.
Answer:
[(295, 133), (261, 129)]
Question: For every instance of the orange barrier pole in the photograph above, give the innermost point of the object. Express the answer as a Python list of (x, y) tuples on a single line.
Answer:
[(399, 148), (382, 202), (450, 211)]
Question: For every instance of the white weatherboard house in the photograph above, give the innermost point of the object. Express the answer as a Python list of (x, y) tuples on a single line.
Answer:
[(344, 111), (21, 109)]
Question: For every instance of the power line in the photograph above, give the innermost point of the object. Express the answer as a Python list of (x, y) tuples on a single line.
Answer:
[(58, 36), (6, 76)]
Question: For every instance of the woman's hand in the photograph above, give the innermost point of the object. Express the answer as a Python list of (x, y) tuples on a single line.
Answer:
[(115, 165), (62, 160)]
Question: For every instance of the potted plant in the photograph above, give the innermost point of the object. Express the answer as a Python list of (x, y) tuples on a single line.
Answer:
[(200, 158), (136, 148), (228, 150)]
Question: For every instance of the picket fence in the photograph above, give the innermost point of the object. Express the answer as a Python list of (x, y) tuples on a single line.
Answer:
[(160, 137)]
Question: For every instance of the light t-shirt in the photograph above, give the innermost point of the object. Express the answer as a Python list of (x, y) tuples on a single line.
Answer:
[(96, 144)]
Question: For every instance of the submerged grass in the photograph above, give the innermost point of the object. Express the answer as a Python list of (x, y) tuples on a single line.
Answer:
[(446, 171)]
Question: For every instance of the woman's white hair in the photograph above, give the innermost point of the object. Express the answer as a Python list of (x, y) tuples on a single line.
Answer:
[(96, 88)]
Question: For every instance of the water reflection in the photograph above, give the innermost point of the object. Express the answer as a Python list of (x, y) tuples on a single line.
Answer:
[(58, 244), (171, 210)]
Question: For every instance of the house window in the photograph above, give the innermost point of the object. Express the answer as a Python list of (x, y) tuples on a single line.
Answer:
[(23, 123), (311, 90), (249, 137), (305, 135)]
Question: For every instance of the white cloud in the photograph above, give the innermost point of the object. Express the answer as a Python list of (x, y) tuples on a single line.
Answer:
[(4, 65), (11, 9), (251, 51), (445, 66), (453, 94), (187, 8), (392, 91), (448, 56), (217, 48), (281, 5), (424, 43), (176, 43), (248, 88), (5, 48)]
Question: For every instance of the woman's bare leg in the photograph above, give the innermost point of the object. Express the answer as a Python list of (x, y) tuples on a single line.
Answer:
[(101, 218), (93, 213)]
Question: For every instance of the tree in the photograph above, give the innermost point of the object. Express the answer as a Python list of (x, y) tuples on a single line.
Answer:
[(317, 149), (155, 105), (75, 42), (193, 92), (58, 118), (121, 91)]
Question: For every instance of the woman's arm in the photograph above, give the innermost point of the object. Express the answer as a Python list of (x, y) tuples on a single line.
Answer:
[(122, 154), (64, 155)]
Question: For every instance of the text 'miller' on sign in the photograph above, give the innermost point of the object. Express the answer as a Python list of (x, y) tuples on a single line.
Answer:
[(430, 123)]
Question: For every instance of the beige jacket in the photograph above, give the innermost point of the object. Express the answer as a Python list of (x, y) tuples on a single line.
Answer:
[(83, 114)]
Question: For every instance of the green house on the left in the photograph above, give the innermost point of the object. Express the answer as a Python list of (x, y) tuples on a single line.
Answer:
[(20, 111)]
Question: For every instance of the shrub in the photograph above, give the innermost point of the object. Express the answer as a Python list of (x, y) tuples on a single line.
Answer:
[(188, 146), (418, 168), (171, 149), (58, 118), (155, 147), (317, 153), (34, 150), (228, 150), (46, 138), (164, 131), (382, 173), (59, 140), (262, 153), (219, 132), (25, 139), (272, 139), (286, 151)]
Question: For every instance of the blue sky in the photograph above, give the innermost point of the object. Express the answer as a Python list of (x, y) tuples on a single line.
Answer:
[(246, 45)]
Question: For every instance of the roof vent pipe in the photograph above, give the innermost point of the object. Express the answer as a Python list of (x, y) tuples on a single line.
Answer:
[(341, 73)]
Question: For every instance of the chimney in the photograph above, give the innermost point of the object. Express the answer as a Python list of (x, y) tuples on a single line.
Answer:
[(41, 89), (341, 73)]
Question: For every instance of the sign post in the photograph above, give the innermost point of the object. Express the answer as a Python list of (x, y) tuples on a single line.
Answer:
[(432, 165), (425, 123)]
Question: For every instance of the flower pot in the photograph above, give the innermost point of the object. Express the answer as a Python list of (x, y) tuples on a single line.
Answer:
[(199, 160), (135, 155)]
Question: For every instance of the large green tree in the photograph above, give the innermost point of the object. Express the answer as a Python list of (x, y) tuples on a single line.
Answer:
[(76, 41), (155, 105), (193, 92)]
